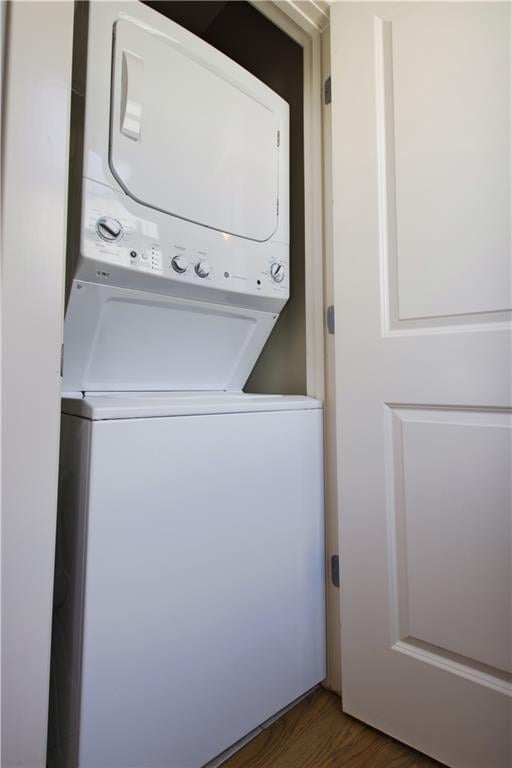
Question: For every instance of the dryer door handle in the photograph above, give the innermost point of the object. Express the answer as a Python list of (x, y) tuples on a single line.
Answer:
[(131, 95)]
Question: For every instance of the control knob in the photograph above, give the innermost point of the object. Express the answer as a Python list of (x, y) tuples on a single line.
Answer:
[(109, 229), (277, 272), (179, 263), (202, 269)]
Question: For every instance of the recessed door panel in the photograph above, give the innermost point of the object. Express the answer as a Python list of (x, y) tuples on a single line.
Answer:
[(452, 515), (187, 140), (452, 159)]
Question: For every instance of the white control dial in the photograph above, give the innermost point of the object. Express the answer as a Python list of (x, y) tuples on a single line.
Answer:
[(179, 263), (109, 229), (277, 272), (202, 269)]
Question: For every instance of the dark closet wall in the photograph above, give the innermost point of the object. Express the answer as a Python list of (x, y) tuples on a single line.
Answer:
[(249, 38)]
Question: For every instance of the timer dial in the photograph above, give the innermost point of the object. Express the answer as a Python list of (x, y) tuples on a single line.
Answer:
[(277, 272), (179, 263), (202, 269), (109, 229)]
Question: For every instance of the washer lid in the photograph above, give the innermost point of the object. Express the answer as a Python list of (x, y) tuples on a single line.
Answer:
[(194, 136), (99, 406)]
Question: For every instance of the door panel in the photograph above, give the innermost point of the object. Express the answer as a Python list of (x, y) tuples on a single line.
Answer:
[(422, 201), (451, 544), (451, 112)]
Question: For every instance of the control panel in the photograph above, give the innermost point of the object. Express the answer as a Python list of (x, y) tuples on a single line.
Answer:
[(177, 250)]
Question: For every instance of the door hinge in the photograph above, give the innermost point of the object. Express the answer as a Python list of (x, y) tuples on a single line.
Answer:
[(328, 91), (335, 570), (330, 319), (277, 207), (279, 138), (61, 360)]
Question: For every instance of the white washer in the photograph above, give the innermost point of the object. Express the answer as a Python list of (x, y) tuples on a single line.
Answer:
[(191, 549)]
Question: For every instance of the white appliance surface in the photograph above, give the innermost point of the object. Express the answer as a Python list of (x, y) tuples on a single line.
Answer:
[(134, 405), (220, 168), (184, 245), (201, 171), (119, 339), (197, 569)]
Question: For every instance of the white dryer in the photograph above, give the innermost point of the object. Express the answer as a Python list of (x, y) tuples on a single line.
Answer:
[(183, 264), (189, 601)]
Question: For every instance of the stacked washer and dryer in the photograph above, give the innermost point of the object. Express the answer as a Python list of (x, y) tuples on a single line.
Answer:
[(190, 567)]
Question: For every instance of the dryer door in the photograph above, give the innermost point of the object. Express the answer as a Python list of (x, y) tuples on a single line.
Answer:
[(185, 137)]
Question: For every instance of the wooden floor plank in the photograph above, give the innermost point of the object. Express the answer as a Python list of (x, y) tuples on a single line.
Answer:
[(317, 734)]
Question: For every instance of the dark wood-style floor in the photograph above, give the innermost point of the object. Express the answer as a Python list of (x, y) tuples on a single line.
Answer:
[(317, 734)]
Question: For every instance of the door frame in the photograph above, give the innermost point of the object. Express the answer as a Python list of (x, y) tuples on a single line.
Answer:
[(307, 23), (34, 168)]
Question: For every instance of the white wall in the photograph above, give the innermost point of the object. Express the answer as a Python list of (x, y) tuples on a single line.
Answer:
[(34, 179)]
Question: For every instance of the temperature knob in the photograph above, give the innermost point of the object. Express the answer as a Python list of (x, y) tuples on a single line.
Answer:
[(109, 229), (179, 263), (202, 269), (277, 272)]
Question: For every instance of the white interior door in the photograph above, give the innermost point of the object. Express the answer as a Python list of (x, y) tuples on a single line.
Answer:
[(422, 258)]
